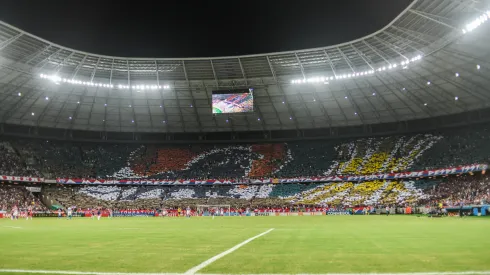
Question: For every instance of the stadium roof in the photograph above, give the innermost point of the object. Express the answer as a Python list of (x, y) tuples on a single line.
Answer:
[(431, 60)]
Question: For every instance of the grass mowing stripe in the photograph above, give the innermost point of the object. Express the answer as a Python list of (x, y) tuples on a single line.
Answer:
[(222, 254), (124, 273)]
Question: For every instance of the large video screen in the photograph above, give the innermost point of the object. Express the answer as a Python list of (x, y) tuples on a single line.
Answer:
[(233, 101)]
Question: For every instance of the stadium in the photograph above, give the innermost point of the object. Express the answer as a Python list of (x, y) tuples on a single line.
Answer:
[(365, 157)]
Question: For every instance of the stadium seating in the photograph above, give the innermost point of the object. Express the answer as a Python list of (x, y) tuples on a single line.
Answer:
[(361, 156), (12, 195)]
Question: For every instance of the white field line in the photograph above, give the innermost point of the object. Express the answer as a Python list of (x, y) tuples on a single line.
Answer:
[(16, 227), (224, 253), (128, 273), (78, 272)]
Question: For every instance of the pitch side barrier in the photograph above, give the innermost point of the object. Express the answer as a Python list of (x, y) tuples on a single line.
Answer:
[(337, 178)]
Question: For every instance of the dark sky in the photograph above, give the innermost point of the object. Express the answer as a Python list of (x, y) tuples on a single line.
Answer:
[(180, 28)]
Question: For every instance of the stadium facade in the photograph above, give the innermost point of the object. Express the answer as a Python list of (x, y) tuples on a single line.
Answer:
[(427, 68)]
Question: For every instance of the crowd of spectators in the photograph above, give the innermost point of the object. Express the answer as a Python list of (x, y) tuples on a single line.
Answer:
[(464, 189), (458, 147), (18, 196), (11, 163), (361, 156), (345, 194)]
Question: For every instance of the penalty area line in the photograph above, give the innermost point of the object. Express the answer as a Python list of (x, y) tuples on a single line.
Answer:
[(224, 253), (16, 227)]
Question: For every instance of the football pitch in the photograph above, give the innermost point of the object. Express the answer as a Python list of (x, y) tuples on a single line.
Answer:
[(247, 245)]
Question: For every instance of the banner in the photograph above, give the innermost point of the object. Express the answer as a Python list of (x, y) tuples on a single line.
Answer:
[(338, 212), (34, 189), (337, 178), (23, 179)]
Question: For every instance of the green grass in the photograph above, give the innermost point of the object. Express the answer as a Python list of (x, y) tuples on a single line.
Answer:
[(317, 244)]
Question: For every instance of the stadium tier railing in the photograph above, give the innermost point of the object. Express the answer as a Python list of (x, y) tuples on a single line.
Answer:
[(337, 178)]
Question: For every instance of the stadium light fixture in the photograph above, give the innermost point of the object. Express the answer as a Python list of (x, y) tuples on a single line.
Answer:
[(324, 79), (56, 79), (477, 22)]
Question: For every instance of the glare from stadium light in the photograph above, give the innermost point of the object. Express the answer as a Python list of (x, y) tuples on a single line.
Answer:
[(19, 94), (227, 121), (69, 117), (258, 119), (47, 98), (456, 98), (456, 74), (32, 114), (105, 104), (160, 106), (78, 102), (345, 97), (283, 102), (428, 82), (129, 106), (425, 104), (355, 113), (374, 93), (403, 89), (478, 67), (132, 121), (164, 121)]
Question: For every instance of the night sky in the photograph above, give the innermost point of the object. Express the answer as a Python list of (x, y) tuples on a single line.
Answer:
[(169, 28)]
